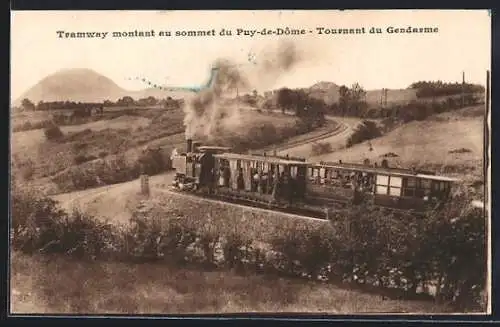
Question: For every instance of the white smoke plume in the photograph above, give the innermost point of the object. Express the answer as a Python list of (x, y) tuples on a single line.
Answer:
[(210, 113)]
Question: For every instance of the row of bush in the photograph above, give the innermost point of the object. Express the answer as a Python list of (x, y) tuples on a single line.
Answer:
[(264, 135), (394, 253), (26, 126), (92, 171), (420, 110)]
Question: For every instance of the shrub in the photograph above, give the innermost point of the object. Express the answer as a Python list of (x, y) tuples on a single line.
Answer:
[(53, 132), (38, 225), (321, 148), (366, 245), (152, 162), (94, 173), (367, 130)]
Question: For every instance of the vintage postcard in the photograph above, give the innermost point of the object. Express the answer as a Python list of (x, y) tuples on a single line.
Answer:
[(218, 162)]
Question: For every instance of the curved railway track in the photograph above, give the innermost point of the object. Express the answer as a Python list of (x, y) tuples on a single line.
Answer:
[(341, 127)]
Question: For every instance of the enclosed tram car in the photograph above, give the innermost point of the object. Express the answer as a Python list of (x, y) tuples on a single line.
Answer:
[(405, 189), (284, 182)]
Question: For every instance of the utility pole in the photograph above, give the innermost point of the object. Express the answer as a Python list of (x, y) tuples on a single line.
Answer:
[(463, 89)]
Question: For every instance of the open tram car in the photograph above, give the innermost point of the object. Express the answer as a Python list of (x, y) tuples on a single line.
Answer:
[(310, 188)]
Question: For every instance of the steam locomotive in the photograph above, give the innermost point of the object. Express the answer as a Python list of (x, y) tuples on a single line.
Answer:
[(297, 186)]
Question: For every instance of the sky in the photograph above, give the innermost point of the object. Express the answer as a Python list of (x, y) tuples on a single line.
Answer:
[(462, 43)]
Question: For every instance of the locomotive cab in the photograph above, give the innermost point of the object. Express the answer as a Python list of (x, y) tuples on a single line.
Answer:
[(193, 169)]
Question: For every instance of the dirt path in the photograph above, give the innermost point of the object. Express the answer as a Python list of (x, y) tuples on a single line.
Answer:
[(115, 203)]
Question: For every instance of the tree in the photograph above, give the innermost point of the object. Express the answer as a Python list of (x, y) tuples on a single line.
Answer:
[(28, 105), (344, 99), (151, 100), (358, 95), (285, 99), (352, 100), (126, 101)]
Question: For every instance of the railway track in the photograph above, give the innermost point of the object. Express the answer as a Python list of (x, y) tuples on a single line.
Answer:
[(337, 130)]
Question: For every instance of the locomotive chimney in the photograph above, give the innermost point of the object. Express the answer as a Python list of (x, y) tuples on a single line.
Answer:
[(189, 145)]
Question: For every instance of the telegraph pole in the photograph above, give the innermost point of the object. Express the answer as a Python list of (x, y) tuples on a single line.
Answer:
[(463, 89)]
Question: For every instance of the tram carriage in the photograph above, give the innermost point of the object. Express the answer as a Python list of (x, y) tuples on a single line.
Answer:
[(397, 188), (266, 179), (293, 183)]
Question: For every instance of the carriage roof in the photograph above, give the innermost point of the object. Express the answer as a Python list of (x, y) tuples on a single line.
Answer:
[(386, 171), (269, 159), (213, 148)]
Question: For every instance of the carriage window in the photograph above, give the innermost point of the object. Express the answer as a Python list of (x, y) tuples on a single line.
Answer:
[(382, 180), (411, 184), (381, 189), (395, 183), (395, 191), (382, 184), (293, 171), (425, 183), (310, 172), (335, 174)]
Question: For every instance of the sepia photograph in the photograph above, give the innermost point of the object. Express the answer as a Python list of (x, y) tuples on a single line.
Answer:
[(332, 162)]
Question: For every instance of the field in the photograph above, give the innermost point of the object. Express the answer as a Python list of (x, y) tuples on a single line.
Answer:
[(31, 139), (118, 133), (58, 285), (452, 139)]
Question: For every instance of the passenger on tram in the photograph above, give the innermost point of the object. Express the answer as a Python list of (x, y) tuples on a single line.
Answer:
[(227, 175), (221, 176), (263, 183), (240, 180), (256, 180)]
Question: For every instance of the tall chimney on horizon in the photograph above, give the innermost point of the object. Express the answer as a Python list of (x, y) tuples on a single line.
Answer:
[(189, 145)]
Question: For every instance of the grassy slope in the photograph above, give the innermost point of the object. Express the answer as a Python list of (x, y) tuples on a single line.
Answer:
[(426, 142), (58, 285), (123, 135)]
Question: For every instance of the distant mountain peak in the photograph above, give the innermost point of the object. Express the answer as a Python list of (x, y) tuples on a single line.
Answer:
[(83, 85)]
